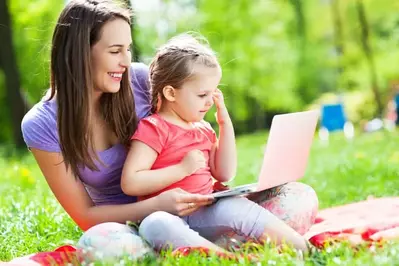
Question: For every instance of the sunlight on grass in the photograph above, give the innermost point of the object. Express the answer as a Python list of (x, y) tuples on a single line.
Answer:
[(31, 220)]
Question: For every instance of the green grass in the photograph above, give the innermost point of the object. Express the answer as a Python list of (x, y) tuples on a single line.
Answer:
[(31, 220)]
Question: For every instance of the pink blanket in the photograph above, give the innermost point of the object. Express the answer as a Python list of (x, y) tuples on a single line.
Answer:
[(373, 220)]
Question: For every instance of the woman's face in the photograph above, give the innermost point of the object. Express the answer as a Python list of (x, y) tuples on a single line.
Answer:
[(111, 56)]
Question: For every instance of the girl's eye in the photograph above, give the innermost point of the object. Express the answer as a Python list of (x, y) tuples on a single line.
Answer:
[(202, 95)]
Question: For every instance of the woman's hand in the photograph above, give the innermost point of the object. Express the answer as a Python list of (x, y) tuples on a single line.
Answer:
[(179, 202)]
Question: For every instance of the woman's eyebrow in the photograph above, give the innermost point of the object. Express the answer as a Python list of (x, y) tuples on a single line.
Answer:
[(118, 45)]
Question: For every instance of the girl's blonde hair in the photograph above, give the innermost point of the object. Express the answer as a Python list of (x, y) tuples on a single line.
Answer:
[(174, 63)]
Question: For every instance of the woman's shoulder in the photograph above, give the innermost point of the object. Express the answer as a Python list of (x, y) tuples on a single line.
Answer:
[(39, 126), (43, 111), (139, 72), (140, 86)]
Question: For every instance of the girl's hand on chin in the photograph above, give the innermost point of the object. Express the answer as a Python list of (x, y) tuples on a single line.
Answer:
[(222, 115)]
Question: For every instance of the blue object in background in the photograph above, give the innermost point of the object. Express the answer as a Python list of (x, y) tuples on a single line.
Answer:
[(333, 117), (396, 99)]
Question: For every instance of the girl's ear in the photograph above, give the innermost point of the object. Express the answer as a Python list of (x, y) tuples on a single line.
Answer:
[(169, 93)]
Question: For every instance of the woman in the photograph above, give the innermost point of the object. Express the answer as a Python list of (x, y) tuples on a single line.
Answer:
[(80, 131)]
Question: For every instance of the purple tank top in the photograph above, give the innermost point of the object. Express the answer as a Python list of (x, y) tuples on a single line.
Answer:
[(39, 129)]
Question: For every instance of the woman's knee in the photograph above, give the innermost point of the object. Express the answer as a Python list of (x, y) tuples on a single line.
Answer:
[(110, 228), (301, 206), (303, 194), (293, 193), (112, 240), (296, 204)]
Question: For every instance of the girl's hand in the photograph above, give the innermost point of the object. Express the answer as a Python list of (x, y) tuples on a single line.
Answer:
[(179, 202), (222, 115), (193, 161), (219, 186)]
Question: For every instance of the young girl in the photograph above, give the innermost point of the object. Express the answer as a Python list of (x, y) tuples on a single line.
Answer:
[(175, 147)]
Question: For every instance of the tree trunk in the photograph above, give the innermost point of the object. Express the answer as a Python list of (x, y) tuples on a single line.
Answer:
[(257, 116), (338, 35), (136, 50), (301, 25), (369, 55), (297, 6), (14, 98)]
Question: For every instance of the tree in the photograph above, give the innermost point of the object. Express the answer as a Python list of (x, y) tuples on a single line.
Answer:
[(338, 35), (365, 35), (301, 38), (8, 63), (136, 49)]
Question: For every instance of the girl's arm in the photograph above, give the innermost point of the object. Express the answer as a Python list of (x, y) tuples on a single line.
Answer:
[(223, 156), (137, 177), (139, 180)]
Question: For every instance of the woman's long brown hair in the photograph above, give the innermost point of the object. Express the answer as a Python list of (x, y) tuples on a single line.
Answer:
[(77, 30)]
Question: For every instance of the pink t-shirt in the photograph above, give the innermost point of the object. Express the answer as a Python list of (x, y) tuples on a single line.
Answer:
[(172, 143)]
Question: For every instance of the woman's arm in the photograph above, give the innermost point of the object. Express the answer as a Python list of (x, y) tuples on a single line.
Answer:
[(83, 211), (223, 156)]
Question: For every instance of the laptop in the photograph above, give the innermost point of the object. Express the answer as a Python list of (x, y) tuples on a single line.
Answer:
[(286, 154)]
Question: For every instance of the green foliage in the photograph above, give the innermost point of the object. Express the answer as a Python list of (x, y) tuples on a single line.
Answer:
[(258, 61), (5, 133), (383, 26), (270, 62), (33, 24)]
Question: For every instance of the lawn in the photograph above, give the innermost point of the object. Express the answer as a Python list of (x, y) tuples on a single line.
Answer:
[(31, 219)]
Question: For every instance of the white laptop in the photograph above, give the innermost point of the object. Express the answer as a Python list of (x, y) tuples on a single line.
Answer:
[(286, 154)]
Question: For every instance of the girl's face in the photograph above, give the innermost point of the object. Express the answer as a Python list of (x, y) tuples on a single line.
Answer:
[(194, 99), (111, 56)]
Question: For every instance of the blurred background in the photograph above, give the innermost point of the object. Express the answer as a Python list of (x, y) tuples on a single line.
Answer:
[(277, 55)]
